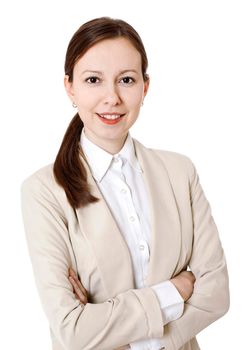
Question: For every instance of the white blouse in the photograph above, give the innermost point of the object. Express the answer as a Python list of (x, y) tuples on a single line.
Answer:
[(120, 181)]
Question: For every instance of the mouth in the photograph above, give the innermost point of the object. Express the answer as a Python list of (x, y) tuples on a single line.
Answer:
[(110, 119)]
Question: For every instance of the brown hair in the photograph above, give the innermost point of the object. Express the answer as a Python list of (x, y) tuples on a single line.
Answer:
[(69, 170)]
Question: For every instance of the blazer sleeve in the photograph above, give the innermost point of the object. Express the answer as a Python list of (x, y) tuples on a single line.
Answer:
[(130, 316), (210, 299)]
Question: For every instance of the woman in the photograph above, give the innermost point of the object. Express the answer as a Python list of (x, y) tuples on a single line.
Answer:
[(124, 248)]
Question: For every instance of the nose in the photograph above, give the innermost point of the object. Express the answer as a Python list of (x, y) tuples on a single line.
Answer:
[(112, 96)]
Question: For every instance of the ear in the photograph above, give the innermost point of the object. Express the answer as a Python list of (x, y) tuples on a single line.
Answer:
[(69, 87), (146, 85)]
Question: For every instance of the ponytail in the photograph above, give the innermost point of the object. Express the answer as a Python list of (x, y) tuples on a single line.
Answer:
[(69, 170)]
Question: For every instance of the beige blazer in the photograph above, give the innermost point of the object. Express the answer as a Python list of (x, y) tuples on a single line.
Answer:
[(183, 234)]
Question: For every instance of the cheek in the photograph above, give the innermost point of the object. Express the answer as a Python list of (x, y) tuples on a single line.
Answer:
[(134, 98), (86, 99)]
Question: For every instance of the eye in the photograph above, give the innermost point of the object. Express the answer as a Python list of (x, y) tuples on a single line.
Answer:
[(92, 80), (128, 80)]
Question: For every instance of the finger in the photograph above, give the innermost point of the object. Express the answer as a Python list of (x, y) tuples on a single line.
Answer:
[(81, 286), (75, 283), (77, 297), (77, 290), (80, 296), (72, 272), (76, 287), (74, 276)]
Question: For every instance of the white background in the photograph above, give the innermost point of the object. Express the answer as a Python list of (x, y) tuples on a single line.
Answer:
[(195, 106)]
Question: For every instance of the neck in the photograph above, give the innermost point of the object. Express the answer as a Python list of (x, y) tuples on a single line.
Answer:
[(112, 146)]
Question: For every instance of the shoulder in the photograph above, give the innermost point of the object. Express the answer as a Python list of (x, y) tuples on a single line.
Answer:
[(42, 184), (43, 176), (175, 163)]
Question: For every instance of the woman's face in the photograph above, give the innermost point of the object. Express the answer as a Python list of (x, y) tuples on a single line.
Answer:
[(108, 89)]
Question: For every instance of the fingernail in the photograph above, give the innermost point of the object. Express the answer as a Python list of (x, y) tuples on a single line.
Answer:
[(72, 272)]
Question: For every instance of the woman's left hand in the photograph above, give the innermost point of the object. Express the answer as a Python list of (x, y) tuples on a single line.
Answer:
[(81, 294), (78, 288)]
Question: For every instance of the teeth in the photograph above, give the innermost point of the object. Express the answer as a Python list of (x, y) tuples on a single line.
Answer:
[(111, 117)]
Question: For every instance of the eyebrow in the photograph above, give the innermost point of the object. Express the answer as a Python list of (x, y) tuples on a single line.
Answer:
[(100, 73)]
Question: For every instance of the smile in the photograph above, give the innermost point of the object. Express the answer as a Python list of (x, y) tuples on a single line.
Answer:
[(111, 116), (110, 119)]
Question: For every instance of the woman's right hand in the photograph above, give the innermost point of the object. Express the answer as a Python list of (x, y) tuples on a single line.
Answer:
[(184, 282)]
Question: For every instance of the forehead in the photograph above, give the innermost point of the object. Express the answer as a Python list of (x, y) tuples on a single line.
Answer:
[(110, 54)]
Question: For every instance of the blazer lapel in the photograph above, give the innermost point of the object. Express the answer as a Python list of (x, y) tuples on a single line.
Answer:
[(165, 222), (108, 244), (111, 250)]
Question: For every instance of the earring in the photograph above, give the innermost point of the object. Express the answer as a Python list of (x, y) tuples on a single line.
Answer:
[(142, 103), (74, 105)]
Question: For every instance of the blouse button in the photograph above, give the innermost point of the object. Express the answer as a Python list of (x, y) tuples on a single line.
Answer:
[(132, 218)]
